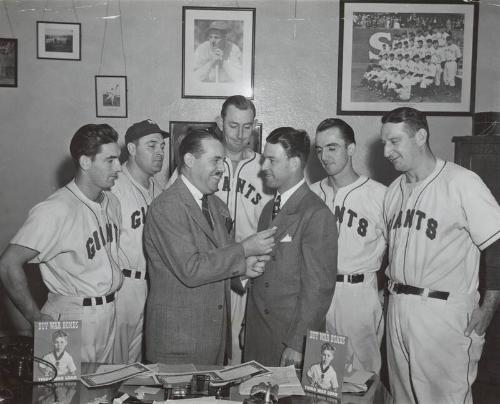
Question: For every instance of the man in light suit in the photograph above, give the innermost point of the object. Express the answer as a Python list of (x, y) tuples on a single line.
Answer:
[(295, 291), (192, 255)]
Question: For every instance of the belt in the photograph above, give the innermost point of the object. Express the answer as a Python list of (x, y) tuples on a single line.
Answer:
[(399, 288), (87, 301), (351, 278), (133, 274)]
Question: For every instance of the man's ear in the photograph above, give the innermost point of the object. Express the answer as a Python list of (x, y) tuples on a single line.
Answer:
[(189, 160), (131, 147), (85, 162), (421, 137), (220, 123), (351, 148)]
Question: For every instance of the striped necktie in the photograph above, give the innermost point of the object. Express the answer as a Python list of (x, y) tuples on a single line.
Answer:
[(276, 206), (206, 211)]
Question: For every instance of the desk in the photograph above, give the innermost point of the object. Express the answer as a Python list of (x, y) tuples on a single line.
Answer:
[(76, 393)]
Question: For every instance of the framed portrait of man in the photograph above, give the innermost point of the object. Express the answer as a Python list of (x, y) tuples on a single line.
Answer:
[(217, 52)]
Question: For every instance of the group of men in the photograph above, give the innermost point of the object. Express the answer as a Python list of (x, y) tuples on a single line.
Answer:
[(236, 229), (415, 67)]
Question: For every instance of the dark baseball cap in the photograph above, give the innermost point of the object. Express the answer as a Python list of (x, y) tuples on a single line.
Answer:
[(143, 128)]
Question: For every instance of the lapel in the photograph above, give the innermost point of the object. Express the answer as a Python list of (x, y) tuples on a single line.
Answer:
[(193, 209), (220, 231), (289, 212)]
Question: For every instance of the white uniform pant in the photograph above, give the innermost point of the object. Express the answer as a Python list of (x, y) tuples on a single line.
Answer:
[(430, 360), (238, 306), (130, 304), (356, 312), (98, 324), (449, 73)]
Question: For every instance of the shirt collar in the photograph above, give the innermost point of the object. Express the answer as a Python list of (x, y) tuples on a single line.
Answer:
[(197, 195), (289, 192)]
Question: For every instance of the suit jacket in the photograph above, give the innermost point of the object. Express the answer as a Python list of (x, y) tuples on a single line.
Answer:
[(296, 289), (189, 266)]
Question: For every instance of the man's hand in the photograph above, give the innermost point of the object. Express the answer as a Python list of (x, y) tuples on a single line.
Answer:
[(255, 265), (291, 357), (260, 243), (481, 317)]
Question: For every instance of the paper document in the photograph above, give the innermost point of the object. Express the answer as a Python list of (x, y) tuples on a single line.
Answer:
[(285, 377), (114, 376)]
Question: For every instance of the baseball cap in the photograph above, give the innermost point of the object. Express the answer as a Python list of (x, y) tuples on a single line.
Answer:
[(218, 25), (143, 128)]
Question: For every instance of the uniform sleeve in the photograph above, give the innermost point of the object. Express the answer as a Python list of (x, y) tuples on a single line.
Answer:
[(168, 232), (481, 210), (318, 276), (42, 230)]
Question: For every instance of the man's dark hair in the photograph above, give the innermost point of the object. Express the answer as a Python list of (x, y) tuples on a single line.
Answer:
[(87, 140), (295, 142), (239, 102), (413, 119), (327, 346), (191, 143), (344, 128)]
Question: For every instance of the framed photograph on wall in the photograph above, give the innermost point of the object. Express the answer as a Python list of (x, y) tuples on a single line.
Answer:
[(416, 53), (111, 96), (58, 40), (217, 52), (8, 62), (179, 129)]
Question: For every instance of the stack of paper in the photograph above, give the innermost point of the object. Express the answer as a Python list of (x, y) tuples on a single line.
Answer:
[(284, 377), (357, 381)]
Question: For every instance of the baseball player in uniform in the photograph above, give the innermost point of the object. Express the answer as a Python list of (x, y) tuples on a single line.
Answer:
[(242, 190), (439, 217), (451, 54), (356, 201), (74, 237), (136, 187)]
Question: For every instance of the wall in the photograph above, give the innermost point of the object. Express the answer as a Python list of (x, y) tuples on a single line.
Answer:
[(295, 85)]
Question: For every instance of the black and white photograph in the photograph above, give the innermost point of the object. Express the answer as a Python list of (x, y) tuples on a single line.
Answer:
[(111, 96), (179, 129), (420, 55), (218, 52), (8, 62), (58, 40)]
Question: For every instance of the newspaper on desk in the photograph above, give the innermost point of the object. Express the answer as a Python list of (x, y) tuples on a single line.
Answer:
[(218, 377), (285, 377), (113, 376)]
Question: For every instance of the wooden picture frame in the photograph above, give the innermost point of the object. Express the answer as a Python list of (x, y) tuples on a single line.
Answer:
[(179, 129), (217, 52), (370, 29), (111, 96), (8, 62), (58, 40)]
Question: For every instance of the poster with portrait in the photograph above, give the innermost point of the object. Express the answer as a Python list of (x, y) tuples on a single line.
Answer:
[(415, 54), (324, 363), (57, 350), (217, 52)]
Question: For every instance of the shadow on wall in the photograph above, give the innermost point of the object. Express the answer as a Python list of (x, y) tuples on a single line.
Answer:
[(379, 167), (12, 322), (65, 172)]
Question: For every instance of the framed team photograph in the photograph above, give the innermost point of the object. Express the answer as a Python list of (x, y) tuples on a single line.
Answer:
[(179, 129), (58, 40), (111, 96), (418, 54), (217, 52), (8, 62)]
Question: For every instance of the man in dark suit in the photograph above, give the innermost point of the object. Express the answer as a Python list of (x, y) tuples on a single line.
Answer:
[(295, 291), (192, 255)]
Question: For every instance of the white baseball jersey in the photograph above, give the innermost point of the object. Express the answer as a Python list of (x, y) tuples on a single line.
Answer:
[(134, 200), (77, 240), (358, 210), (437, 227), (452, 53), (131, 300)]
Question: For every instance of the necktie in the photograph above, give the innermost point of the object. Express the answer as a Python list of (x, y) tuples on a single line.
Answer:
[(276, 206), (206, 211)]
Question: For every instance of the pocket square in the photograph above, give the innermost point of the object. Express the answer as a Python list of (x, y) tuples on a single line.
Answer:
[(286, 239)]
